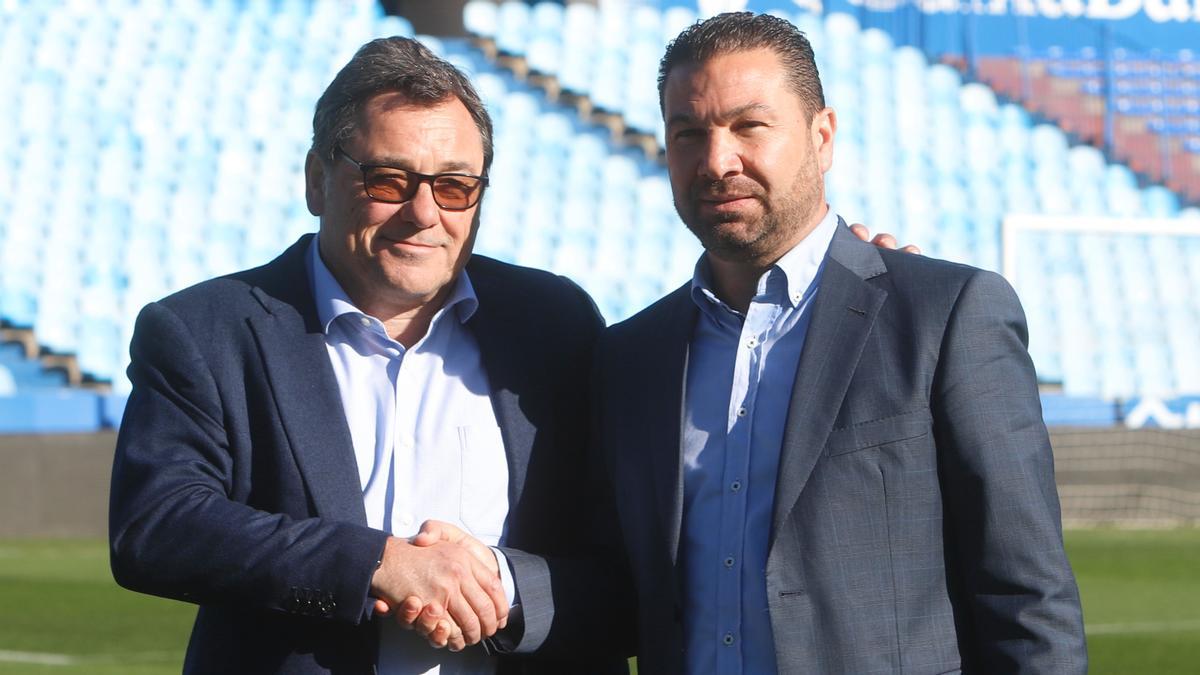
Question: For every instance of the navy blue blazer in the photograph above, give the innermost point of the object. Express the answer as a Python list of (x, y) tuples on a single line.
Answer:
[(235, 485), (916, 523)]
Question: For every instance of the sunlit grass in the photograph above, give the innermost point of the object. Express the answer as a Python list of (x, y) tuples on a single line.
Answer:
[(1141, 603)]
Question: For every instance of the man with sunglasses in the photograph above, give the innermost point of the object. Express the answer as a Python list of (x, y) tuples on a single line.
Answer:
[(290, 425)]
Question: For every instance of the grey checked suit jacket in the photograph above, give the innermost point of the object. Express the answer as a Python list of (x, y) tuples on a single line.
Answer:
[(916, 524)]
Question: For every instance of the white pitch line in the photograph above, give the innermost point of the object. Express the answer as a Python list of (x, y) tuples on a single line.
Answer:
[(1142, 627), (38, 658), (50, 659)]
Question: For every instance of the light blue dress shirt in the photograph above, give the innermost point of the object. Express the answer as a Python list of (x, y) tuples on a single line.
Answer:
[(741, 369), (425, 439)]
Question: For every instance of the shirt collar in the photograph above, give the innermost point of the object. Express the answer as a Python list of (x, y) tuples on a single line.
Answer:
[(333, 302), (799, 269)]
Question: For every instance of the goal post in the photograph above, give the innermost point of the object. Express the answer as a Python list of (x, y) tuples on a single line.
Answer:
[(1113, 304)]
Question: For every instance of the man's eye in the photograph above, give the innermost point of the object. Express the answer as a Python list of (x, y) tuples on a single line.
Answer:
[(378, 176), (452, 186), (388, 175)]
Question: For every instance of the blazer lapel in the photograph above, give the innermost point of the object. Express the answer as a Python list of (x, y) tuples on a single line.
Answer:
[(663, 382), (844, 311), (306, 391), (506, 365)]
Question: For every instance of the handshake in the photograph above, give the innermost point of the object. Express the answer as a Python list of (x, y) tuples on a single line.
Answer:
[(443, 583)]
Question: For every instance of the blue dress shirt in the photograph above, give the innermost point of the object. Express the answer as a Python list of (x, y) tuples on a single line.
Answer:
[(425, 438), (740, 373)]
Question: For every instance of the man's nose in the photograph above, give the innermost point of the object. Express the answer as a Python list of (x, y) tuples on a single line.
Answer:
[(422, 209), (722, 156)]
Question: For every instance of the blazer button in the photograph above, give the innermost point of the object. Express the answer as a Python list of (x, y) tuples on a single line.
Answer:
[(292, 602)]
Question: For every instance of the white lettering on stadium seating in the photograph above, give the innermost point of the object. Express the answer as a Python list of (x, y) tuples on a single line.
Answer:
[(1159, 11), (1153, 412)]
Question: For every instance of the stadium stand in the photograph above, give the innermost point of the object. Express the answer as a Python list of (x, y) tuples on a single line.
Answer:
[(1145, 107), (186, 125), (180, 121), (951, 190)]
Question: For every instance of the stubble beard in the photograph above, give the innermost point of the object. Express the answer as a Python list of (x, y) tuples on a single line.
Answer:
[(763, 239)]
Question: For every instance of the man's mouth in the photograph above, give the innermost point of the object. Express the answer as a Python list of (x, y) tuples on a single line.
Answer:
[(725, 202), (406, 244)]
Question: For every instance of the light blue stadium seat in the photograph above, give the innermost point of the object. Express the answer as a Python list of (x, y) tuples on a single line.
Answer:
[(434, 44), (943, 84), (1086, 171), (1125, 202), (978, 103), (547, 18), (644, 23), (607, 88), (576, 72), (980, 143), (908, 64), (543, 54), (1048, 145), (843, 28), (641, 110), (674, 20), (512, 27), (1160, 202), (395, 25), (480, 18), (29, 376), (8, 383), (876, 49)]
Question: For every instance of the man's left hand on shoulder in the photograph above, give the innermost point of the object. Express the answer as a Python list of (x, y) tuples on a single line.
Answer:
[(882, 240)]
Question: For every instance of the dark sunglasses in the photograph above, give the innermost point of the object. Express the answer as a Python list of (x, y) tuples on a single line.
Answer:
[(391, 184)]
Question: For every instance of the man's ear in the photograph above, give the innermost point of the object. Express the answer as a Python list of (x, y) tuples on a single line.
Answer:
[(314, 183), (824, 127)]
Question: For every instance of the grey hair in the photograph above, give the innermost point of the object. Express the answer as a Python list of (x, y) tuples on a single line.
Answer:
[(393, 64), (744, 31)]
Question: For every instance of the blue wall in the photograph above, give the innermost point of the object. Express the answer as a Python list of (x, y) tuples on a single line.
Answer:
[(1000, 26)]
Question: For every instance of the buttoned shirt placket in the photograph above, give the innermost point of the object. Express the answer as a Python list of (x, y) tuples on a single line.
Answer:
[(763, 312)]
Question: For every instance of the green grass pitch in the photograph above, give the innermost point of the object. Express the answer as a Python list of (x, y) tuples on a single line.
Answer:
[(60, 611)]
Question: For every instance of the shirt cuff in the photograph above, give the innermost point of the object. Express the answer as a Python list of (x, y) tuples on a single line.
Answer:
[(506, 577)]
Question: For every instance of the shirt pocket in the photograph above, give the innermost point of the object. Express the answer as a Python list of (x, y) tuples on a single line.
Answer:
[(484, 495), (872, 434)]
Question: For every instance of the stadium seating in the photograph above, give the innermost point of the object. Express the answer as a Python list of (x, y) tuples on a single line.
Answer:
[(949, 190), (174, 184), (156, 145), (1152, 99)]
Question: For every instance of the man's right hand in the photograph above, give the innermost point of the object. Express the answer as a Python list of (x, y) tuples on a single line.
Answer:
[(444, 577)]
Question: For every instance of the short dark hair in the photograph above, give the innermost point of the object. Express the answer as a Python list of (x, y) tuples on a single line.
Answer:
[(743, 31), (393, 64)]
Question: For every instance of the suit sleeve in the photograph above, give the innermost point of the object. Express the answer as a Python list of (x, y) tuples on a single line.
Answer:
[(584, 604), (1002, 506), (580, 603), (174, 528)]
